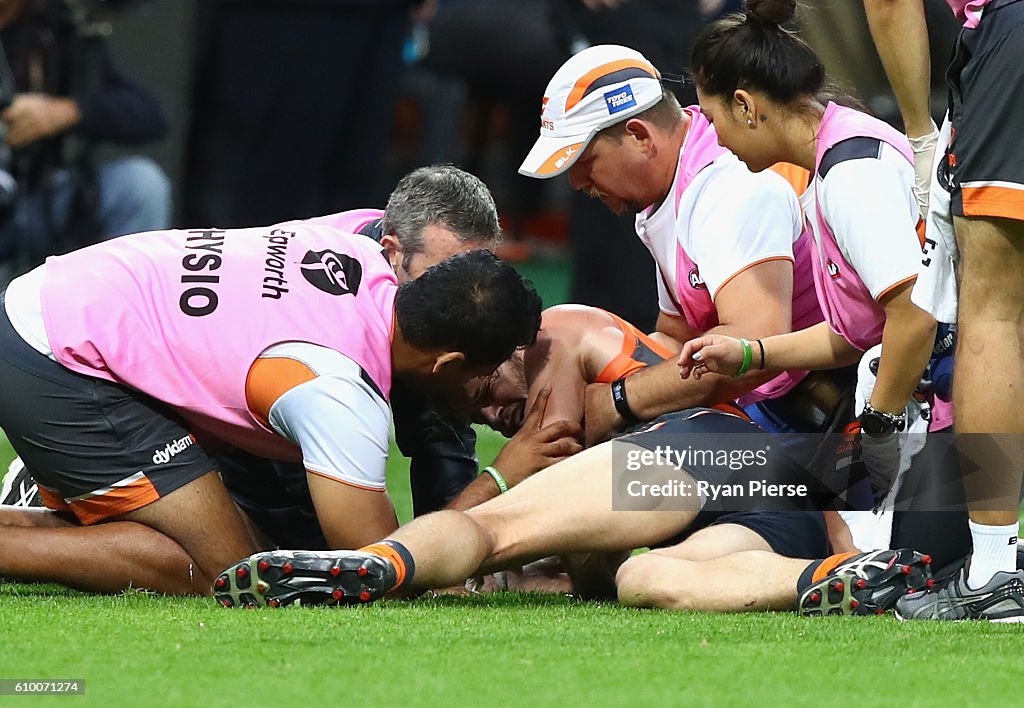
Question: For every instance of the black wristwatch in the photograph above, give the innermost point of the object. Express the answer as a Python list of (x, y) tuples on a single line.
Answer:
[(878, 423)]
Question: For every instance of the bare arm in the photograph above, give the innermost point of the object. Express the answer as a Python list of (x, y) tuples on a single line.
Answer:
[(816, 347), (670, 343), (349, 516), (554, 363), (906, 347), (901, 36), (756, 303), (675, 327)]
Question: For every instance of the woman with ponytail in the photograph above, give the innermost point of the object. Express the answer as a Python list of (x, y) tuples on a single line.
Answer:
[(764, 90)]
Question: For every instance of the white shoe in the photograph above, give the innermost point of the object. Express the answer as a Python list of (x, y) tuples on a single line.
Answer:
[(19, 489)]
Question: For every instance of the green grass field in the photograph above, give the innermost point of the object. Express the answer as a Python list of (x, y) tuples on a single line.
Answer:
[(497, 650), (503, 649)]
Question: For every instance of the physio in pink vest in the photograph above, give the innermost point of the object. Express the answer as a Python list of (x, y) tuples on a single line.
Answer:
[(763, 89)]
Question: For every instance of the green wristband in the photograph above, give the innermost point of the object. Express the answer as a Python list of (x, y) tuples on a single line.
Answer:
[(498, 479), (748, 357)]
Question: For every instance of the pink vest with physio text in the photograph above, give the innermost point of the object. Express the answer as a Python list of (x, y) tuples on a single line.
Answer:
[(849, 308), (700, 149), (968, 11), (182, 315)]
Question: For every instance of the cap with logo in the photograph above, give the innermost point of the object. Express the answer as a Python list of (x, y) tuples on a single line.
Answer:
[(594, 89)]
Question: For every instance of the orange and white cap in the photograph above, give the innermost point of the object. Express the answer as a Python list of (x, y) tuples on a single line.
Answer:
[(594, 89)]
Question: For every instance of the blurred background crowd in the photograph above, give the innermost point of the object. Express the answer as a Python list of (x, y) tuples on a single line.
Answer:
[(121, 116)]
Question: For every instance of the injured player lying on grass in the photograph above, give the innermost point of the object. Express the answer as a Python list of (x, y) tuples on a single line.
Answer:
[(726, 554)]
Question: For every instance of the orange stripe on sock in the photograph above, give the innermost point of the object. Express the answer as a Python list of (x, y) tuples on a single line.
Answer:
[(385, 551), (828, 565)]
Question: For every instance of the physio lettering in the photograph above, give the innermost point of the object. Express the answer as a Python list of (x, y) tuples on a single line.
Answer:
[(205, 255)]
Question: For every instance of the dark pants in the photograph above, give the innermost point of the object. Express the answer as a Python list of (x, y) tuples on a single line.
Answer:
[(931, 513), (293, 109)]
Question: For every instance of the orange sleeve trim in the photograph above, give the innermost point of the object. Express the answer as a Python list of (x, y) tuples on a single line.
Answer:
[(748, 267), (630, 330), (346, 483), (1000, 202), (892, 287), (271, 378), (798, 177), (623, 364), (628, 342)]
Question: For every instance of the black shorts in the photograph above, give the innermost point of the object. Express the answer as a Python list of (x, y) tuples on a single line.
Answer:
[(96, 449), (793, 527), (794, 534), (984, 165)]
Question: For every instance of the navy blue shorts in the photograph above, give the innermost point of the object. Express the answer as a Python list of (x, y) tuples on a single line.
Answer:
[(96, 449), (984, 165), (794, 534), (794, 528)]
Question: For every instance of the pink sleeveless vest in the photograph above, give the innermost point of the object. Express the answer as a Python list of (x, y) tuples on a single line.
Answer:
[(845, 300), (700, 149), (348, 221), (182, 315)]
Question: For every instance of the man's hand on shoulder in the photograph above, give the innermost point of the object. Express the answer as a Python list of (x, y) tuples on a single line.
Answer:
[(537, 446)]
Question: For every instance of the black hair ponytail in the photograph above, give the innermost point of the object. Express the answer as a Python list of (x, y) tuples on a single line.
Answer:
[(752, 50)]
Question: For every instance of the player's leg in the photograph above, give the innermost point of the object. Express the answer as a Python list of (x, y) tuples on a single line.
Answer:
[(175, 544), (200, 518), (984, 171), (37, 517), (990, 359), (727, 567), (763, 570), (567, 508), (736, 582), (990, 427), (101, 452), (108, 557)]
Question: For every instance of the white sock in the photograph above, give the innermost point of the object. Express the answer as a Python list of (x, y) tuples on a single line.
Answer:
[(995, 550)]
